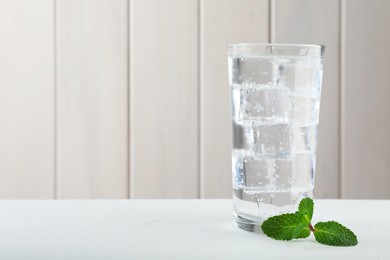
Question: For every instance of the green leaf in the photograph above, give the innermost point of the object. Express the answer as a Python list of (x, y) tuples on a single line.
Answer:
[(334, 234), (282, 227), (301, 231), (306, 207)]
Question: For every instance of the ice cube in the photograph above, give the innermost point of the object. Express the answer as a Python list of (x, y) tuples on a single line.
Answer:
[(303, 170), (254, 70), (305, 110), (238, 170), (272, 140), (276, 174), (300, 73), (259, 173), (304, 139), (265, 104), (283, 173), (242, 136), (294, 172)]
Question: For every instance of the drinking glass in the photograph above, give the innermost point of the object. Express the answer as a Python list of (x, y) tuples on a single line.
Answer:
[(275, 105)]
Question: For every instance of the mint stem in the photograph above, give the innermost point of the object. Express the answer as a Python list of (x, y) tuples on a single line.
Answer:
[(311, 228)]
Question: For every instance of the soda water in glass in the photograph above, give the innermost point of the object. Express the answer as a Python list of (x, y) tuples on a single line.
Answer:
[(275, 105)]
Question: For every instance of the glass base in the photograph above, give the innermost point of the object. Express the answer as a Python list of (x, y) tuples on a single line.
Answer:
[(247, 224)]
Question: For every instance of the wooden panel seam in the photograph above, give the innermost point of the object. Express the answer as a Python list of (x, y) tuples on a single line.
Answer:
[(56, 158), (131, 101), (200, 107), (342, 100), (128, 100)]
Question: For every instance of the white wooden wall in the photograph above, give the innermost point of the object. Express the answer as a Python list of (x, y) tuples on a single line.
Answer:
[(129, 98)]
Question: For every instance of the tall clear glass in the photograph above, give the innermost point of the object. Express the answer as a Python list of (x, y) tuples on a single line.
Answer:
[(275, 105)]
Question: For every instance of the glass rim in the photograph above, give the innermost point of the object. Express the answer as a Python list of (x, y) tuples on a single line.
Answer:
[(293, 45), (267, 49)]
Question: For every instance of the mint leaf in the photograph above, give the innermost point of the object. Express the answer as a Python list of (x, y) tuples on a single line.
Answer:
[(334, 234), (301, 231), (298, 225), (306, 207), (282, 227)]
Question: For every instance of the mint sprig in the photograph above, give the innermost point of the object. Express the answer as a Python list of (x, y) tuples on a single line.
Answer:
[(298, 225)]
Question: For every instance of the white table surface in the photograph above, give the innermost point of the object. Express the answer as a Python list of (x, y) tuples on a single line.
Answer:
[(175, 229)]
